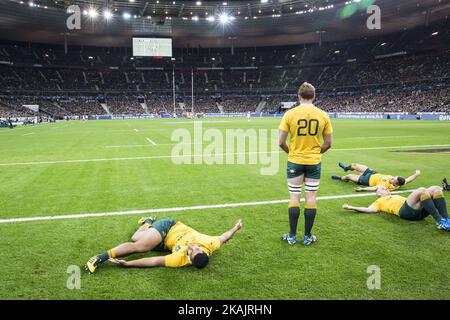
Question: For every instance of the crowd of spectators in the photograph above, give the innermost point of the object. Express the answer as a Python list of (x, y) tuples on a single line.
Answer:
[(124, 105), (403, 72)]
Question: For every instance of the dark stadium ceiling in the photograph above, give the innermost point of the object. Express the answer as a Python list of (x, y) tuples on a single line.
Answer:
[(211, 23)]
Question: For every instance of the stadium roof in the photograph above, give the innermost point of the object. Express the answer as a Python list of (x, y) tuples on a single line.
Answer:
[(211, 23)]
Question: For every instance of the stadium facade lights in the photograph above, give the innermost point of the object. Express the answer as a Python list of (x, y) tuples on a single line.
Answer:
[(195, 18), (92, 13), (383, 44), (31, 4), (224, 3), (21, 2), (131, 1), (85, 12), (224, 18), (211, 19), (435, 33), (264, 1), (107, 14), (126, 15), (198, 3), (337, 52)]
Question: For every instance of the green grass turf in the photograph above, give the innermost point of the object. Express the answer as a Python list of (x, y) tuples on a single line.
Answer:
[(413, 256)]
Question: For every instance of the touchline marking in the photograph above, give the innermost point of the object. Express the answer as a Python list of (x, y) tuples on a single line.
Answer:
[(151, 141), (27, 134), (376, 138), (193, 155), (398, 147), (147, 145), (211, 206)]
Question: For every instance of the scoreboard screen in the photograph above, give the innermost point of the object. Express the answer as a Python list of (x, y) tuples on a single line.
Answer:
[(152, 47)]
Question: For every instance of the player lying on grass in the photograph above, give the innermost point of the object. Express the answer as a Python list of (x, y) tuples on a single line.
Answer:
[(372, 179), (419, 204), (188, 246)]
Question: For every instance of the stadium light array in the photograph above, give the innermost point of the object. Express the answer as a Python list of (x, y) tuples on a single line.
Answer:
[(211, 19), (224, 18), (107, 14), (92, 13), (126, 15)]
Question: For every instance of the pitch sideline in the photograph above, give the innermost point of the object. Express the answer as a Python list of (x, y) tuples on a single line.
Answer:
[(7, 164), (159, 210)]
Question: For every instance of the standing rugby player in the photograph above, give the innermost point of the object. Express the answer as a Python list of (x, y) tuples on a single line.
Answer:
[(306, 125)]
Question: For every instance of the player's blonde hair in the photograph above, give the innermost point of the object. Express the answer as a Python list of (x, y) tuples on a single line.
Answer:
[(307, 91)]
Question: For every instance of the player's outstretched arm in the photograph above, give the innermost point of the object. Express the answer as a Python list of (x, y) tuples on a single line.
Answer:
[(230, 233), (413, 177), (360, 189), (370, 209), (327, 142), (140, 263)]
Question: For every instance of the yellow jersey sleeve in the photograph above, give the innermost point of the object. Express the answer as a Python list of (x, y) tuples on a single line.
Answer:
[(284, 124), (176, 260)]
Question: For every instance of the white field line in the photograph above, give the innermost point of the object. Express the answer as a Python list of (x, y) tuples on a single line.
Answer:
[(202, 207), (375, 138), (148, 145), (27, 134), (348, 149), (191, 156), (198, 121), (398, 147), (151, 141)]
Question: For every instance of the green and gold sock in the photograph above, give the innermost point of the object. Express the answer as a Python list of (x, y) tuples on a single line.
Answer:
[(310, 216), (106, 255), (428, 204), (294, 214), (441, 206)]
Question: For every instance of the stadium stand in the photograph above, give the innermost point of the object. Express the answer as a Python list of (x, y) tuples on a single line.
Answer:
[(404, 72)]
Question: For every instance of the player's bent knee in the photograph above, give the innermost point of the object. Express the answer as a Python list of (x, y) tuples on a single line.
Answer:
[(434, 190)]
